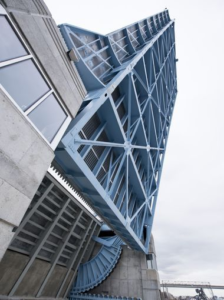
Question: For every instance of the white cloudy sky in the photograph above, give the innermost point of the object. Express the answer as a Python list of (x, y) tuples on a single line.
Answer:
[(189, 222)]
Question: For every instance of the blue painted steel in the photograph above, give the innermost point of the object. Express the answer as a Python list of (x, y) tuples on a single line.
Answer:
[(113, 151), (93, 272), (100, 297), (101, 56), (106, 241), (104, 227)]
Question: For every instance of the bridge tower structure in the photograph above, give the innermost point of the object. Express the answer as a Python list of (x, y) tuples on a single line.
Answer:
[(113, 151)]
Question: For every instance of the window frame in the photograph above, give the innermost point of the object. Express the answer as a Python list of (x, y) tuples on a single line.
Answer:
[(58, 135)]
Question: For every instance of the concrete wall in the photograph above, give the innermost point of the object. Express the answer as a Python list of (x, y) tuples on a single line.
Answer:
[(131, 278), (36, 25), (13, 264), (24, 159), (24, 155), (151, 285)]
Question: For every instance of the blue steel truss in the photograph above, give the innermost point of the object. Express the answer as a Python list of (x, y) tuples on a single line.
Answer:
[(113, 150)]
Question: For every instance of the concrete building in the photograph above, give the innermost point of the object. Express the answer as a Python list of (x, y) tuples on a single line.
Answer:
[(34, 69), (84, 122)]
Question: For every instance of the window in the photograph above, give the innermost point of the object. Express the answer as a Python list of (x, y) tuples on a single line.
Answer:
[(24, 83), (23, 80), (48, 117), (11, 46)]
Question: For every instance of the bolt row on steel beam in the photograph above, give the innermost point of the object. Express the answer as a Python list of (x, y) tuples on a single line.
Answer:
[(100, 297)]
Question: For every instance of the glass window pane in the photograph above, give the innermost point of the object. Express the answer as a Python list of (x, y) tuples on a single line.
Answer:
[(10, 45), (48, 117), (23, 82)]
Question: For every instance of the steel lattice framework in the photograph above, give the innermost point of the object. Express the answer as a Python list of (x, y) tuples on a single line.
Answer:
[(114, 149)]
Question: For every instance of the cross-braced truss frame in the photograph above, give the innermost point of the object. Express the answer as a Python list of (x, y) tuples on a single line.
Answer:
[(114, 149)]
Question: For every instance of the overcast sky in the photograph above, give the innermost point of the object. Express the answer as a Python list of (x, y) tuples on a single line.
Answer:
[(189, 221)]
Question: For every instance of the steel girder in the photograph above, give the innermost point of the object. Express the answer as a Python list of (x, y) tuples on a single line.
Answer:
[(113, 150), (99, 58)]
